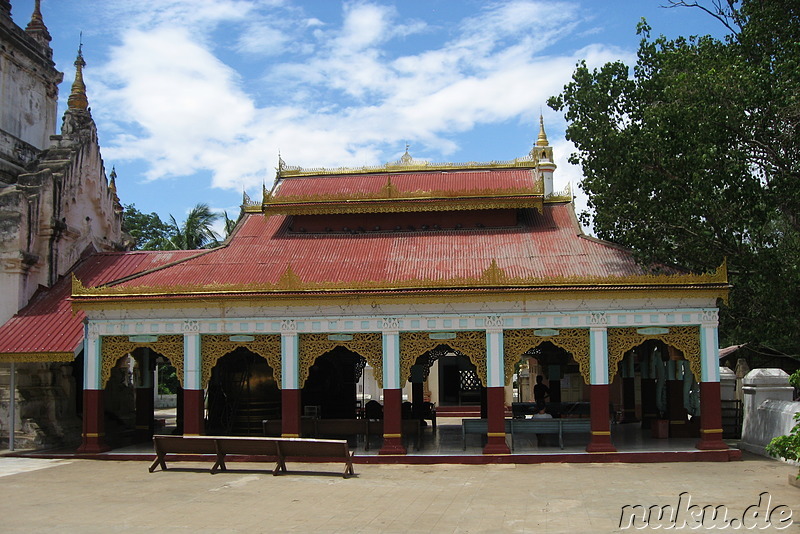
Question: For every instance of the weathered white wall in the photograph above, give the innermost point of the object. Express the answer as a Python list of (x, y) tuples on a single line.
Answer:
[(768, 408)]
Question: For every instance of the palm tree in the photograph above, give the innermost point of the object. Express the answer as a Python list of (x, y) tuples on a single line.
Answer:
[(196, 231)]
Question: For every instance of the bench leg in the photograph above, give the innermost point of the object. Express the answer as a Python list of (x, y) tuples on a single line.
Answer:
[(220, 464), (280, 464), (159, 460), (280, 467), (561, 439)]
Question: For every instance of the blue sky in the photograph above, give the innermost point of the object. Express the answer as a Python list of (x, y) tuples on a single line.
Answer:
[(194, 99)]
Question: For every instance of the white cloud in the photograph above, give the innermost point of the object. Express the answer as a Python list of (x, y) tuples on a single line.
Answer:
[(332, 95)]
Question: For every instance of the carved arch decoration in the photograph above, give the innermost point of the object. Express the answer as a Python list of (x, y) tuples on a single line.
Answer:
[(415, 344), (573, 340), (684, 338), (115, 347), (215, 346), (368, 345)]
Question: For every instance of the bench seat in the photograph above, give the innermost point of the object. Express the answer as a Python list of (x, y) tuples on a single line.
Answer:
[(274, 449)]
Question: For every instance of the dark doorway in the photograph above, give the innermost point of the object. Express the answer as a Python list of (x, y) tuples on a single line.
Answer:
[(242, 393), (331, 384), (459, 384)]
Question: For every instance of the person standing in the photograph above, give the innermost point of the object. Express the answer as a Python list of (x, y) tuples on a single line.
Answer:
[(540, 391)]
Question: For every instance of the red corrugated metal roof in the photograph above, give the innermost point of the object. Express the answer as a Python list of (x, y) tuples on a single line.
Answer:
[(543, 246), (48, 326), (412, 182)]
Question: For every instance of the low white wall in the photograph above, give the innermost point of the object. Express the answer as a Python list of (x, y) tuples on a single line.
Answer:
[(166, 401), (772, 418)]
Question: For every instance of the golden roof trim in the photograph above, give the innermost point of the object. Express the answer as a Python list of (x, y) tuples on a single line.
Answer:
[(288, 171), (393, 206), (27, 357), (492, 277), (373, 298)]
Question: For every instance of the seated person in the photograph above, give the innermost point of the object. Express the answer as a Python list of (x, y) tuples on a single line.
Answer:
[(373, 410)]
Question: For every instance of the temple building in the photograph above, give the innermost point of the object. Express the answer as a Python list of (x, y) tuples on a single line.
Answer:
[(56, 206), (444, 284)]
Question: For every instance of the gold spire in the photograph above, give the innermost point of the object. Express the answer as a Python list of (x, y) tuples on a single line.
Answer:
[(542, 141), (77, 99)]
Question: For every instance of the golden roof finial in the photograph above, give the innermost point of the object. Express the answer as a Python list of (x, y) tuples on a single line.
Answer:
[(406, 158), (77, 99), (542, 141)]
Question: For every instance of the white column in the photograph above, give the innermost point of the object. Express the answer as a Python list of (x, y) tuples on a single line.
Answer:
[(598, 355), (192, 365), (495, 372), (92, 361), (391, 360), (290, 361), (433, 382), (709, 354)]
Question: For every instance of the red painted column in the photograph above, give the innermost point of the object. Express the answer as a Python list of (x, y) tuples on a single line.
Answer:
[(93, 436), (392, 422), (600, 424), (495, 410), (144, 413), (710, 418), (290, 413), (193, 412)]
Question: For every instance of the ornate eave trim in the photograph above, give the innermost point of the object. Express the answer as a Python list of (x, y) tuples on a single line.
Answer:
[(40, 357), (372, 298), (405, 205), (493, 277)]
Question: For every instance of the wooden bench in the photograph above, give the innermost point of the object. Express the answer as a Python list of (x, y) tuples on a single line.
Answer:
[(409, 427), (536, 426), (478, 426), (343, 427), (527, 426), (575, 426), (276, 449), (549, 426)]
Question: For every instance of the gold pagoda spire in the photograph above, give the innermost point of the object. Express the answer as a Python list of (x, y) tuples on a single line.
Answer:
[(542, 140), (77, 99)]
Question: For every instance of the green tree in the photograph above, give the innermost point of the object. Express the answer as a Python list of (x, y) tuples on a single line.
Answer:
[(151, 233), (692, 158), (147, 230)]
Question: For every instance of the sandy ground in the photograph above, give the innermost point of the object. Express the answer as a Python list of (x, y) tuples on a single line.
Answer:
[(121, 496)]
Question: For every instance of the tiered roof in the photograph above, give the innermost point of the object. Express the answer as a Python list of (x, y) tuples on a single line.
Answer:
[(497, 237)]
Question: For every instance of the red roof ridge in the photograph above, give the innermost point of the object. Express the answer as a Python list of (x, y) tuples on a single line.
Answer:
[(133, 276)]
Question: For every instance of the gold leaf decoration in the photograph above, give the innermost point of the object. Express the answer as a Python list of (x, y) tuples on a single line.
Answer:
[(368, 345), (684, 338), (573, 340), (215, 346), (36, 357), (115, 347), (415, 344)]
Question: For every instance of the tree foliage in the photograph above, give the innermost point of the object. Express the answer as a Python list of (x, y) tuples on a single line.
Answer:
[(692, 158), (147, 230), (151, 233)]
